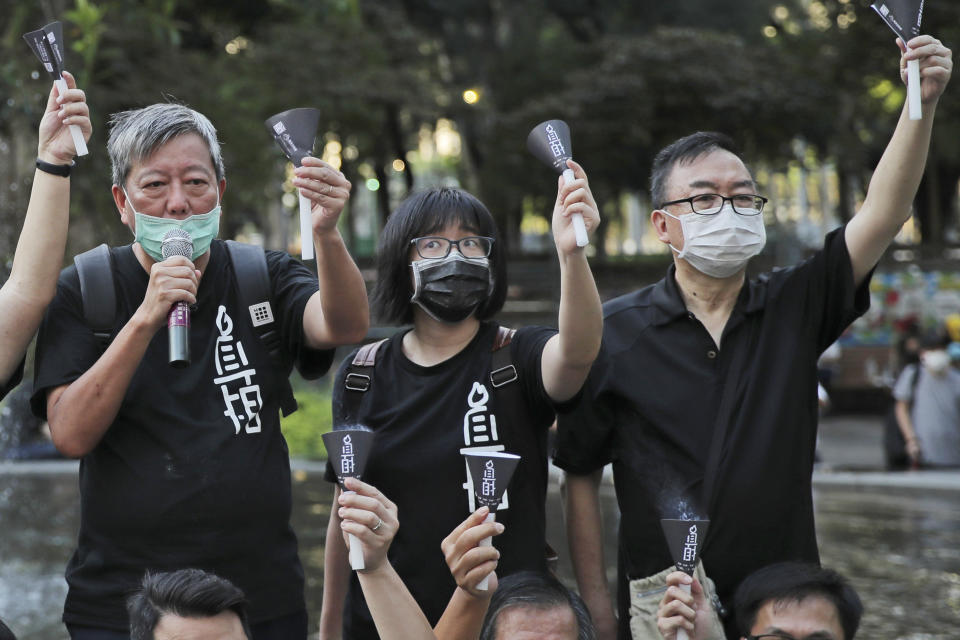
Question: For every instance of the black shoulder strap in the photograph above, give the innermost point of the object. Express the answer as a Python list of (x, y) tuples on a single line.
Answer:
[(726, 416), (249, 263), (360, 370), (97, 291), (502, 371)]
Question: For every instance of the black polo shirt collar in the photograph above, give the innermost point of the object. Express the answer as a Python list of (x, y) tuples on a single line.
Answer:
[(668, 303)]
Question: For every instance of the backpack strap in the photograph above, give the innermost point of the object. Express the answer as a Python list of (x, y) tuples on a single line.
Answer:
[(97, 292), (502, 371), (252, 279), (360, 371)]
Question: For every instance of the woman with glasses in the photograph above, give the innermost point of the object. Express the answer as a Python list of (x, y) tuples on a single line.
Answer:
[(457, 381)]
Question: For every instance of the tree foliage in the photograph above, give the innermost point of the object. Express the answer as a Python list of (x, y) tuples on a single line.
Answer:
[(629, 77)]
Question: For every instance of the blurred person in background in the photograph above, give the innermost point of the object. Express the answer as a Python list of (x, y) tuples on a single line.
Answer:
[(927, 396)]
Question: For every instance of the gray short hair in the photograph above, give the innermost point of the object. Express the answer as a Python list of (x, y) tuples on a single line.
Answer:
[(535, 590), (136, 134)]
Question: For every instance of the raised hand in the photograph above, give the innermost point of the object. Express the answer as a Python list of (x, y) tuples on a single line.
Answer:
[(55, 141), (936, 65), (371, 518), (574, 197), (682, 610), (326, 187), (468, 562)]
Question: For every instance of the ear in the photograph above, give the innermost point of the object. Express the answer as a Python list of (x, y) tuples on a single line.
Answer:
[(659, 220), (120, 199), (222, 187)]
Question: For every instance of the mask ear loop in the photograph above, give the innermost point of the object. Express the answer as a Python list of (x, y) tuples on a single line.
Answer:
[(679, 252)]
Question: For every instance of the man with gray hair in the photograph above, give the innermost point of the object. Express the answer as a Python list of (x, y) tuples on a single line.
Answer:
[(531, 604), (187, 466)]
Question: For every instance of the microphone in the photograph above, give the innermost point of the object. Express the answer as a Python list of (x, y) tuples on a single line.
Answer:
[(178, 242)]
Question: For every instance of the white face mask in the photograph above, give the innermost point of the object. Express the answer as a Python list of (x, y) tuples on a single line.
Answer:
[(720, 245), (936, 361)]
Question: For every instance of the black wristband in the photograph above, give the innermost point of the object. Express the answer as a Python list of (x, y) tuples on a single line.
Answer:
[(62, 170)]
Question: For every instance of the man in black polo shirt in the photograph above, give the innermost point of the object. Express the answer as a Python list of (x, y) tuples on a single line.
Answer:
[(654, 403)]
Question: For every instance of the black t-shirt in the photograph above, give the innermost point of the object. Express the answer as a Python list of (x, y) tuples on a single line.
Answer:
[(650, 406), (423, 418), (194, 471)]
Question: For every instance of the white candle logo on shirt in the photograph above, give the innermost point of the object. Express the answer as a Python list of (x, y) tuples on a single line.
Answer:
[(479, 434), (235, 377)]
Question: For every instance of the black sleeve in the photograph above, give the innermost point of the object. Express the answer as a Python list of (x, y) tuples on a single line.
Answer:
[(585, 430), (832, 301), (66, 346), (526, 351), (13, 380), (293, 284)]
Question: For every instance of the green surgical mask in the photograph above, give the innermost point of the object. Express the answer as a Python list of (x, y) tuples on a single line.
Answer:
[(150, 230)]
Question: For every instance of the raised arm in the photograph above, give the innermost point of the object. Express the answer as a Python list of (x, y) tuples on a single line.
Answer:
[(568, 355), (469, 563), (585, 540), (395, 613), (338, 313), (80, 413), (896, 179), (336, 577), (39, 256)]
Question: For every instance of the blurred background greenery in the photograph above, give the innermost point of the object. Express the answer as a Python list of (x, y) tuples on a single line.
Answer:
[(419, 92)]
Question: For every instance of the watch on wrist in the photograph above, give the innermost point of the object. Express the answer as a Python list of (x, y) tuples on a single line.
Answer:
[(62, 170)]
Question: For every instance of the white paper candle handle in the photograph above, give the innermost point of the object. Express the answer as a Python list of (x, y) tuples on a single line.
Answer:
[(913, 90), (682, 633), (78, 142), (356, 553), (579, 229), (306, 227), (356, 548), (483, 585)]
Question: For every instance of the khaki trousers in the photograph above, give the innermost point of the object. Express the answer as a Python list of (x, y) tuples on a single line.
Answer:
[(646, 594)]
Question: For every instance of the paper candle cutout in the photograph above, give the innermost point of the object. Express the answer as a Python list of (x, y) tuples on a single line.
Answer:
[(685, 539), (550, 142), (47, 44), (904, 16), (348, 451), (490, 472), (295, 130)]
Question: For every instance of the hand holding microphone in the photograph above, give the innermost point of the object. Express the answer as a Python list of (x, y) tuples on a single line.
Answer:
[(178, 242)]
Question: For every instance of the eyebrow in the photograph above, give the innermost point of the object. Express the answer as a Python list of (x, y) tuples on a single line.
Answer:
[(707, 184), (192, 167)]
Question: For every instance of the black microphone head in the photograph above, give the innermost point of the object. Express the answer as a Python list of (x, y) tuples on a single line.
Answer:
[(176, 242)]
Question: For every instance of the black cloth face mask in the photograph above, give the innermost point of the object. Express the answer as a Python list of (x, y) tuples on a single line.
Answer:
[(450, 289)]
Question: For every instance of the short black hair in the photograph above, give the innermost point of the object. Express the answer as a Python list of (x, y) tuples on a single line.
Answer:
[(539, 590), (189, 593), (682, 151), (5, 633), (792, 582), (424, 213)]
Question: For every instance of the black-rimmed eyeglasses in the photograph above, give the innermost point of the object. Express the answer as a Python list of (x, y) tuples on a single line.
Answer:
[(708, 204), (431, 247)]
